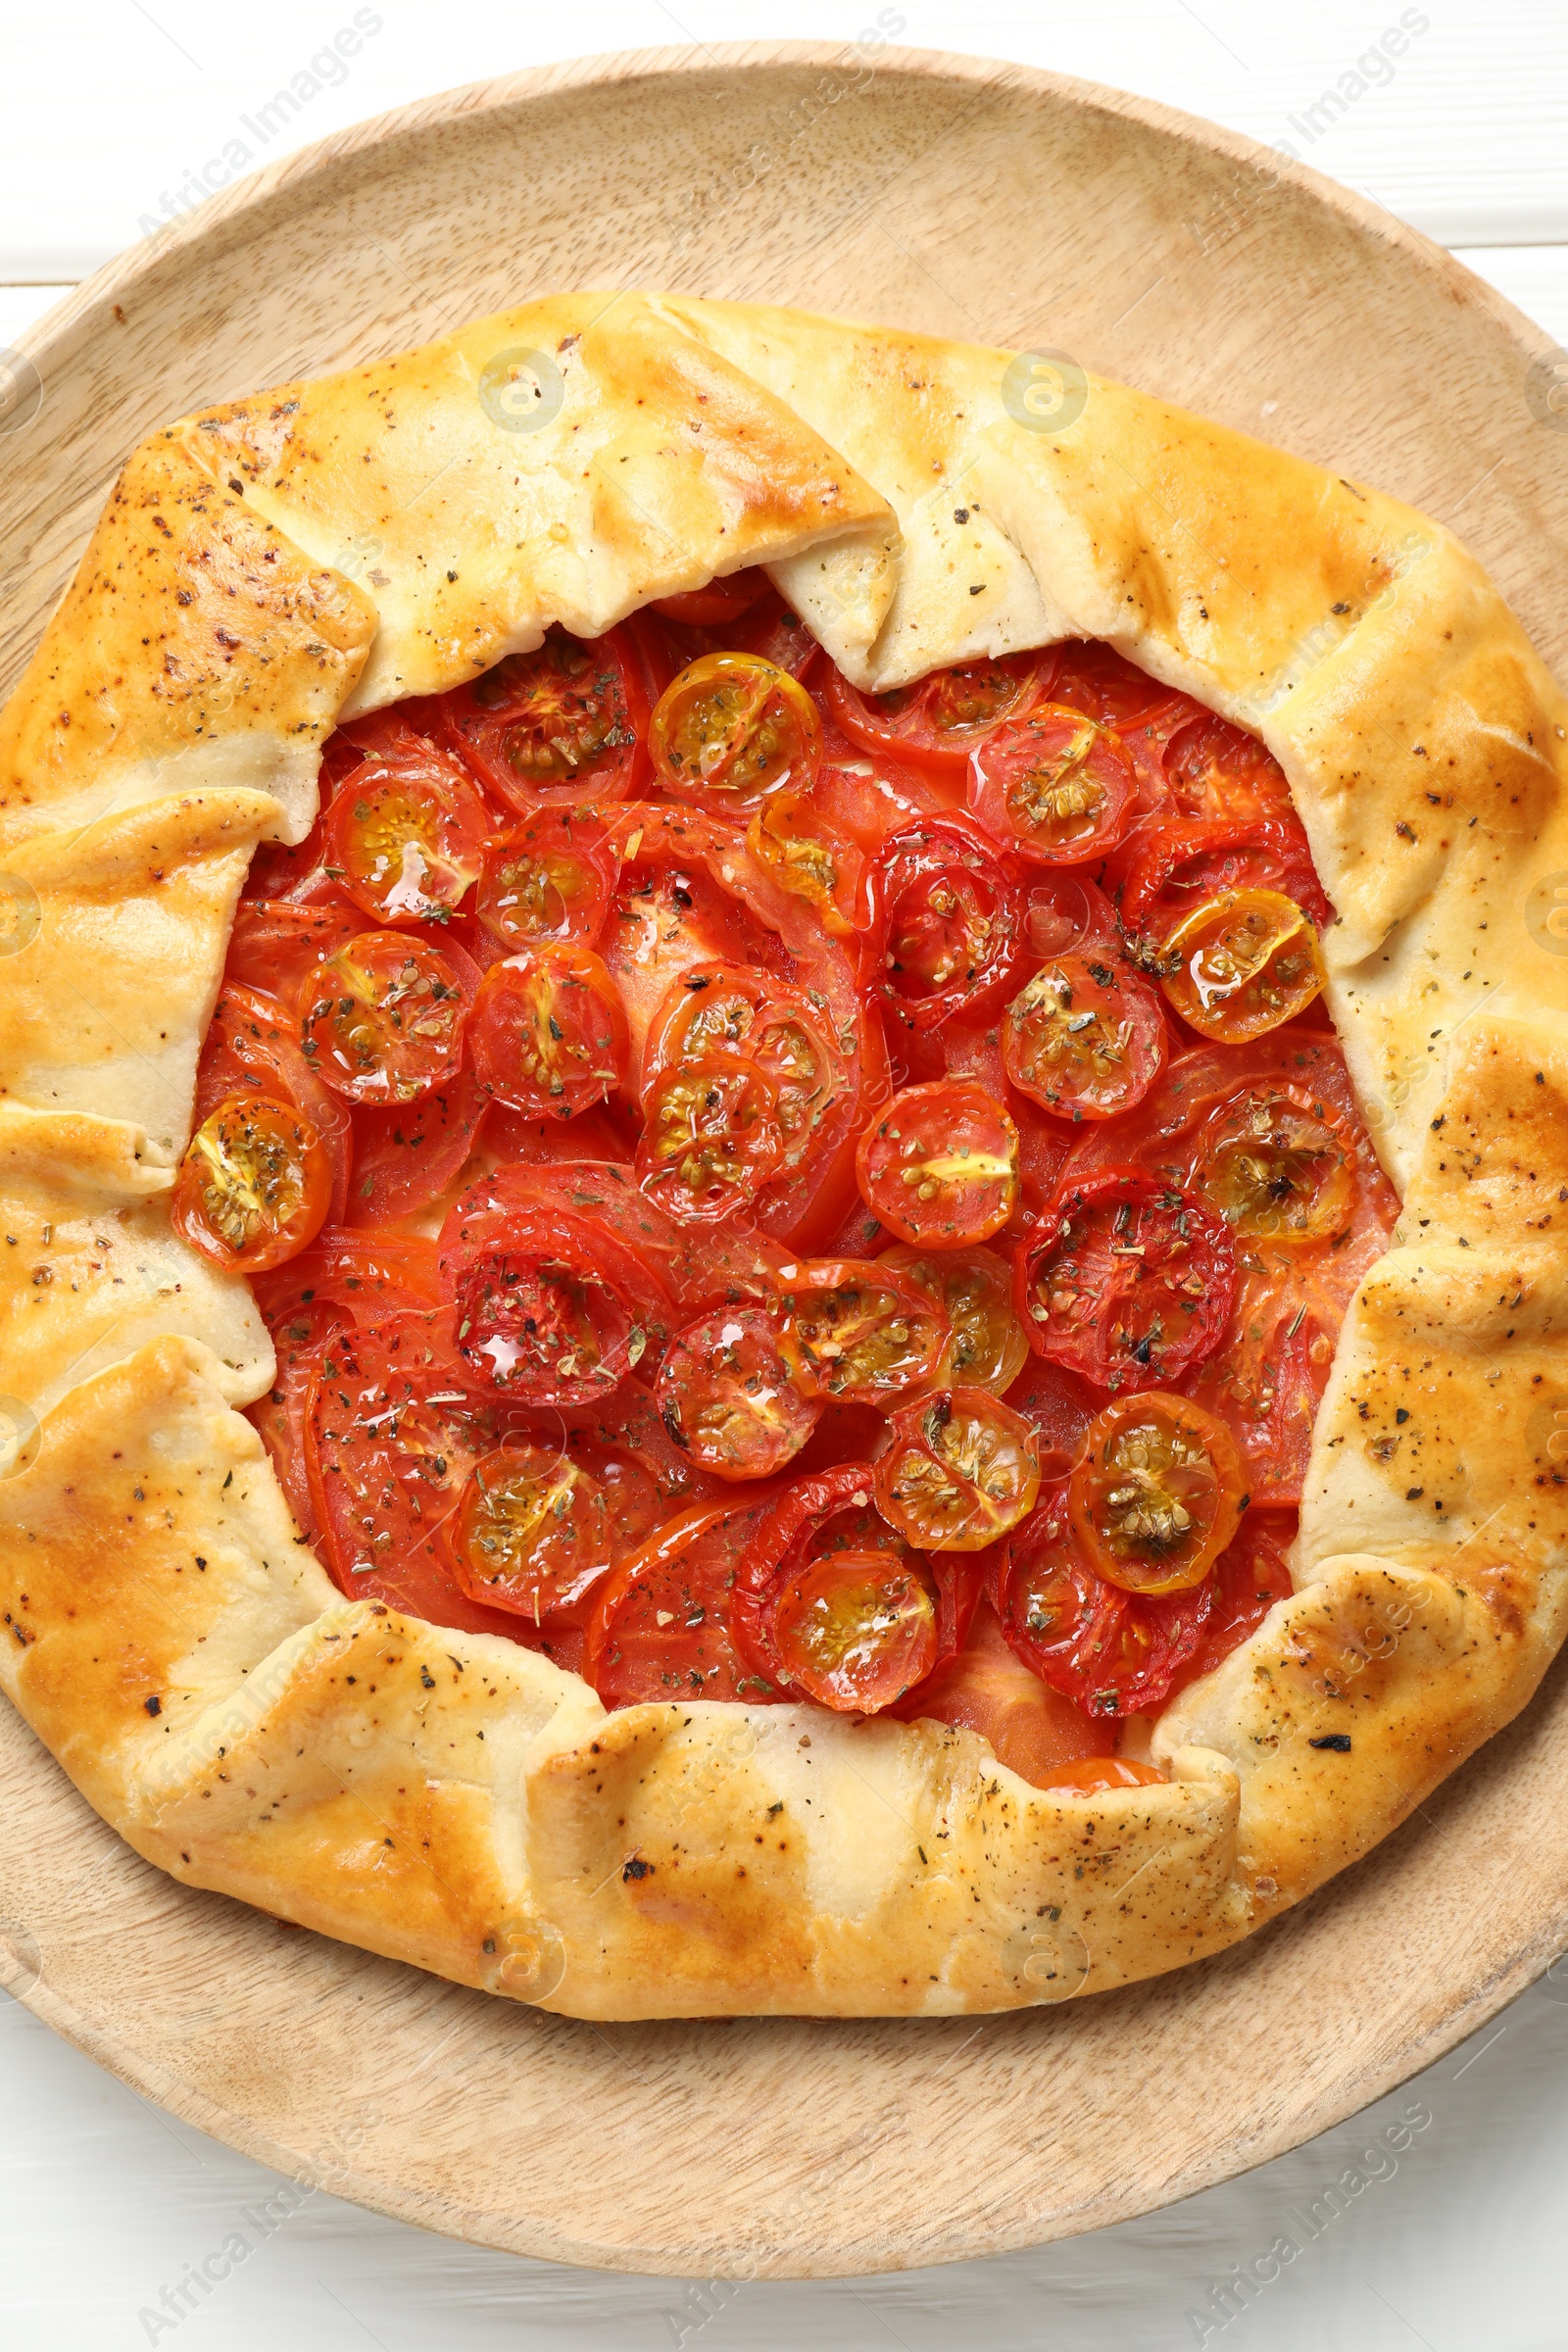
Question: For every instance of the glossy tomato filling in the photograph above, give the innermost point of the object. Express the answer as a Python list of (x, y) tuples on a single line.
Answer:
[(768, 1191)]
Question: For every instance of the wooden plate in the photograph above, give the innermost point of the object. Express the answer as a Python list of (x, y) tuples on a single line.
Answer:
[(977, 201)]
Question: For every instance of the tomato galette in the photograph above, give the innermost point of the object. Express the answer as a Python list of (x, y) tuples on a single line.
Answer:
[(784, 1152)]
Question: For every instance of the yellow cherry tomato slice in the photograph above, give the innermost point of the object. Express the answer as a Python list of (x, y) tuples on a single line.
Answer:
[(1242, 964)]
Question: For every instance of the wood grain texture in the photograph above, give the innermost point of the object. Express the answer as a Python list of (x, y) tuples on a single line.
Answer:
[(969, 200)]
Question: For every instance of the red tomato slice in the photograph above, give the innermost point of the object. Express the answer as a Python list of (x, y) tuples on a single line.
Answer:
[(986, 1346), (1032, 1729), (1157, 1492), (950, 922), (383, 1020), (729, 1399), (1094, 678), (790, 839), (732, 728), (1216, 771), (275, 946), (1112, 1652), (407, 1157), (960, 1470), (533, 1530), (252, 1047), (1127, 1281), (404, 830), (547, 1032), (254, 1185), (767, 627), (937, 721), (549, 1308), (1054, 787), (940, 1165), (1059, 1406), (1164, 871), (1084, 1039), (1250, 1576), (392, 1433), (711, 1136), (659, 1627), (859, 1329), (720, 603), (555, 727), (547, 881)]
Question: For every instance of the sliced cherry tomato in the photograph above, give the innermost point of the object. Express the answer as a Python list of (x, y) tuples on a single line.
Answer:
[(384, 1018), (549, 1307), (730, 1399), (940, 1165), (790, 838), (252, 1047), (1250, 1576), (660, 1627), (547, 1032), (1127, 1282), (1054, 787), (1033, 1730), (986, 1347), (1068, 914), (960, 1470), (855, 1632), (1157, 1494), (392, 1433), (1216, 771), (1277, 1166), (742, 1011), (405, 831), (254, 1186), (937, 721), (1242, 965), (277, 945), (733, 728), (720, 602), (950, 923), (712, 1137), (407, 1157), (855, 1328), (547, 881), (532, 1532), (1084, 1039), (1112, 1652), (1165, 870), (561, 726)]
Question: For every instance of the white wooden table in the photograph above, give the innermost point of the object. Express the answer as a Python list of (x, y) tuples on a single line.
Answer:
[(109, 2211)]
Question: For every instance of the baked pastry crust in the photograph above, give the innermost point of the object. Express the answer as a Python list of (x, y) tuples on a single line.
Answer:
[(457, 1801)]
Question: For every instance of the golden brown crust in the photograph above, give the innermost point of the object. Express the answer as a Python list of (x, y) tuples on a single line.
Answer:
[(195, 647), (458, 1801)]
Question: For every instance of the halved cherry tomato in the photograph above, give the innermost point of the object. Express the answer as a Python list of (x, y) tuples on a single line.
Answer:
[(742, 1011), (960, 1470), (950, 922), (1084, 1039), (660, 1626), (1242, 965), (1157, 1494), (392, 1433), (986, 1347), (1250, 1576), (938, 720), (532, 1530), (547, 1032), (855, 1632), (1054, 787), (1032, 1729), (1127, 1282), (731, 729), (940, 1165), (1216, 771), (548, 880), (1068, 914), (712, 1137), (254, 1186), (789, 837), (382, 1019), (405, 831), (722, 600), (558, 726), (855, 1328), (252, 1047), (1112, 1652), (549, 1308), (1277, 1166), (729, 1399), (276, 944), (1165, 870), (409, 1155)]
